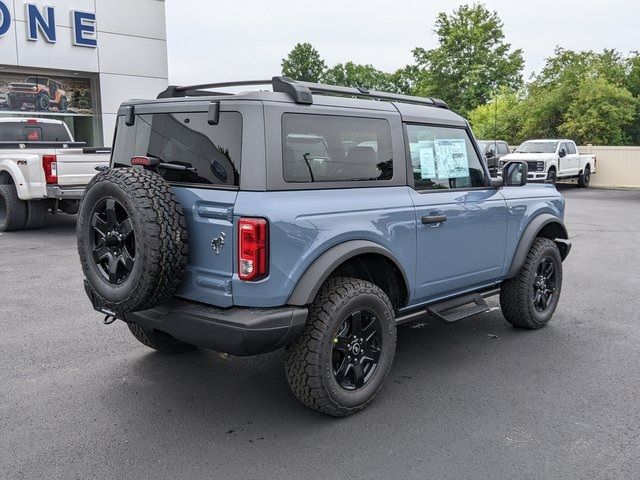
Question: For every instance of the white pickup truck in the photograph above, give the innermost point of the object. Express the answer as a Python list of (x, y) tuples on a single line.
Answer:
[(553, 160), (42, 170)]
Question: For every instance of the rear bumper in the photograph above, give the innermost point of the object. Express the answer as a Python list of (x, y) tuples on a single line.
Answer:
[(65, 193), (238, 330)]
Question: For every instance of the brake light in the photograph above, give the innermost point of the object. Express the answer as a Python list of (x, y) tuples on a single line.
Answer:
[(50, 166), (253, 249), (144, 161), (32, 121)]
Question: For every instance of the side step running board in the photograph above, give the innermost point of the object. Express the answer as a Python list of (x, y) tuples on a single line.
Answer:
[(459, 308), (454, 309)]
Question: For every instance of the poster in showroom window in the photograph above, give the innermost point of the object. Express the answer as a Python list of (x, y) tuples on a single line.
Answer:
[(21, 92)]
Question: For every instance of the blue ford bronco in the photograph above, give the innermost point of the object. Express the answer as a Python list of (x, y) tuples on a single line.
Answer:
[(313, 218)]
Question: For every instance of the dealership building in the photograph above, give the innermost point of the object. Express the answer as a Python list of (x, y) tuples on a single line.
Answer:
[(78, 60)]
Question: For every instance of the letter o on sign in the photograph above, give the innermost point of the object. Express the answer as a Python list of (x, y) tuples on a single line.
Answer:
[(5, 22)]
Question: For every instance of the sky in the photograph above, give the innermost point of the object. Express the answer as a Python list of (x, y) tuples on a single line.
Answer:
[(222, 40)]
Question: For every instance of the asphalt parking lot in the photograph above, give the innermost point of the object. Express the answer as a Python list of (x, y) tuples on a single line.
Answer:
[(473, 399)]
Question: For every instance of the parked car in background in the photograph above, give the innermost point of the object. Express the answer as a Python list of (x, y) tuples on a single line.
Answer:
[(307, 219), (554, 160), (41, 92), (42, 170), (493, 151)]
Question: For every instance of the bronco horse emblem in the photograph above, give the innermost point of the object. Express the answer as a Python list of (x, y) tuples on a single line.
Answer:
[(217, 243)]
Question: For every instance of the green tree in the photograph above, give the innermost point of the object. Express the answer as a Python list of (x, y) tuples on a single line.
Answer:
[(472, 61), (356, 75), (304, 63), (599, 113), (501, 119)]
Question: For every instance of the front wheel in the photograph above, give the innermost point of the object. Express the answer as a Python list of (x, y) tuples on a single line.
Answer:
[(344, 353), (552, 177), (529, 299)]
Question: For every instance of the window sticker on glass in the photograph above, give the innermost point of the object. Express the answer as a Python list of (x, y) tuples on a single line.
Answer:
[(451, 157), (427, 160)]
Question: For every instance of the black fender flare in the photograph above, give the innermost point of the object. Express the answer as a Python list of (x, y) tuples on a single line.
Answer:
[(528, 237), (312, 279)]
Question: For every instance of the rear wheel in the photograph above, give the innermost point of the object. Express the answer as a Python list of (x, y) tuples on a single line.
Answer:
[(529, 299), (342, 357), (160, 341), (36, 214), (585, 178), (13, 211)]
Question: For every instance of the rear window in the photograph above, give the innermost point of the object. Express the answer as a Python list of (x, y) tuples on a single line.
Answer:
[(211, 153), (33, 132), (325, 148)]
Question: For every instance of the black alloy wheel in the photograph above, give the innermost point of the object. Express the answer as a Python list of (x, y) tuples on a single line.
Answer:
[(357, 349), (544, 284), (113, 241)]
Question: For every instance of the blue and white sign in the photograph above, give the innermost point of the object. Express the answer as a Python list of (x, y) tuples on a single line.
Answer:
[(41, 24)]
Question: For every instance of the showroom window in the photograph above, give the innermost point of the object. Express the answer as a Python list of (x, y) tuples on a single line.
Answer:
[(66, 97)]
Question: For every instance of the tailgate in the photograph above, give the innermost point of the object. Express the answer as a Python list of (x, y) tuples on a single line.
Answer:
[(76, 166), (209, 216)]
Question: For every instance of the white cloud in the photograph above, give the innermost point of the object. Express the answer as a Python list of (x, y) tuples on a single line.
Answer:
[(218, 40)]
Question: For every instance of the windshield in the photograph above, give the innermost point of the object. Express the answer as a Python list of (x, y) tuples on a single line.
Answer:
[(537, 147)]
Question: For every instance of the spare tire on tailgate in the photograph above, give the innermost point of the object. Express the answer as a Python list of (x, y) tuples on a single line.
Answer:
[(132, 240)]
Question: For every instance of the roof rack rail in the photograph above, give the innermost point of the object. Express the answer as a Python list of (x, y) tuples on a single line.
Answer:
[(300, 92)]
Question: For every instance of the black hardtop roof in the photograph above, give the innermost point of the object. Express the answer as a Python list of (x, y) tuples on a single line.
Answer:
[(412, 108)]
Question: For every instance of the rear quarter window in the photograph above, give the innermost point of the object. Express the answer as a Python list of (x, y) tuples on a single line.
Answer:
[(211, 153), (328, 148)]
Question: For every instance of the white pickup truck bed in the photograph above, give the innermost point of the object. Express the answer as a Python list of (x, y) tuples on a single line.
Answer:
[(42, 169)]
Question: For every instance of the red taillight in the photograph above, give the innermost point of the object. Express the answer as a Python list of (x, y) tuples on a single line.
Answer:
[(50, 166), (253, 249), (144, 161), (32, 121)]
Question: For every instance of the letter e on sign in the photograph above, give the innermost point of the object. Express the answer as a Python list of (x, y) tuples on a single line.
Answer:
[(84, 29)]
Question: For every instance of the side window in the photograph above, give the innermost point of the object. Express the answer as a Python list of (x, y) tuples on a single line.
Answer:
[(503, 149), (571, 148), (211, 153), (443, 158), (326, 148), (563, 146)]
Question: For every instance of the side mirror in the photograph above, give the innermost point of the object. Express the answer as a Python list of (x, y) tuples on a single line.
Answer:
[(489, 153), (514, 174), (562, 153)]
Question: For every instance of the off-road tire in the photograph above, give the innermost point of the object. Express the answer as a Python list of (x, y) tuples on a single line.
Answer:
[(160, 341), (308, 365), (13, 211), (43, 102), (36, 214), (160, 239), (585, 178), (516, 293)]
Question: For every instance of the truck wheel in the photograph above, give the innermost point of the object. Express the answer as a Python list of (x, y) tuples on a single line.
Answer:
[(13, 211), (552, 177), (585, 178), (160, 341), (344, 353), (132, 239), (42, 102), (36, 214), (64, 105), (529, 299)]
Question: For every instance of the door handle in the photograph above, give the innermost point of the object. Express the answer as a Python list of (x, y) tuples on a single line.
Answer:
[(434, 219)]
